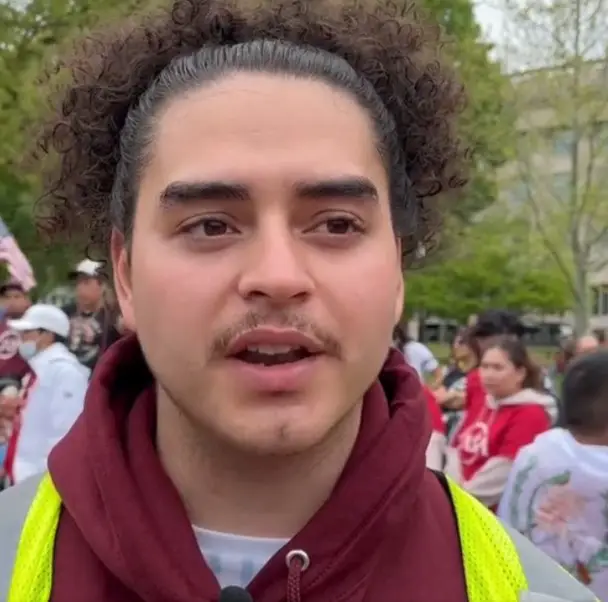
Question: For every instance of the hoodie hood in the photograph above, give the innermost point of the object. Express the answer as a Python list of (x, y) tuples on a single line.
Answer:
[(132, 520), (57, 353), (524, 397), (528, 397)]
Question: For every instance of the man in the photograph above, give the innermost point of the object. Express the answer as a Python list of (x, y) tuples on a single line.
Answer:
[(92, 323), (255, 439), (55, 397), (557, 493)]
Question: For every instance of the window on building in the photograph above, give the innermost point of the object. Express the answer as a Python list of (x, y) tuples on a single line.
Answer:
[(595, 301), (599, 300)]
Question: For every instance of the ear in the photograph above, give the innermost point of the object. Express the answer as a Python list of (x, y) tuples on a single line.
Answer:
[(399, 298), (122, 278), (400, 285)]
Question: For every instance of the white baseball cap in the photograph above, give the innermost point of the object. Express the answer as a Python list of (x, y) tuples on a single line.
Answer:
[(43, 317), (87, 267)]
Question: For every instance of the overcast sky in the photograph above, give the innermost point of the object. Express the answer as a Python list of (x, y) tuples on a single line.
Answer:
[(490, 20)]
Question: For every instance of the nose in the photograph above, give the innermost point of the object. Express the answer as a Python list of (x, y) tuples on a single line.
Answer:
[(276, 268)]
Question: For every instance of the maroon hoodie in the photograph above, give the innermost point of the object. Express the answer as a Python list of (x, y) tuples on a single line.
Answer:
[(387, 534)]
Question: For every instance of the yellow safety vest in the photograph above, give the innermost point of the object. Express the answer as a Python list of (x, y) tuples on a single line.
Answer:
[(492, 568)]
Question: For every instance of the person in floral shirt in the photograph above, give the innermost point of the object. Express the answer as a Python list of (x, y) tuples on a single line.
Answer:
[(557, 492)]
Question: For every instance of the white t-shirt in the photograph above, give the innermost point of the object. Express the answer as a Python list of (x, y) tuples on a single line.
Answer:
[(557, 496), (234, 559), (421, 358)]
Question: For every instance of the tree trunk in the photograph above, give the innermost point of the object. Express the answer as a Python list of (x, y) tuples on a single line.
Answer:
[(581, 306)]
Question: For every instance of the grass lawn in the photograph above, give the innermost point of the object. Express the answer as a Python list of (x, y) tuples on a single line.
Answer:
[(541, 355)]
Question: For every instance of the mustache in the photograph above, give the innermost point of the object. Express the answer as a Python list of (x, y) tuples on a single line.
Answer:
[(275, 319)]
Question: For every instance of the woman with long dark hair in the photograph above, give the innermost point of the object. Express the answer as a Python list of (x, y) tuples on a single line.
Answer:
[(515, 411)]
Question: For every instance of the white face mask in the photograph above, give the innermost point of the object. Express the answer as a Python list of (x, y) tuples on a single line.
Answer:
[(27, 350)]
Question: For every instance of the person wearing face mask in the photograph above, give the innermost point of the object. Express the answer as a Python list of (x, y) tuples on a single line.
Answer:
[(53, 398)]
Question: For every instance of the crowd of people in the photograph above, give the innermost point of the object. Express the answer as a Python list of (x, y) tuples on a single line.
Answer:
[(47, 354), (531, 450)]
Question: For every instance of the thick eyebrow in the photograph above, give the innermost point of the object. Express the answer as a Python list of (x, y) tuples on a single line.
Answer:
[(180, 193), (338, 188)]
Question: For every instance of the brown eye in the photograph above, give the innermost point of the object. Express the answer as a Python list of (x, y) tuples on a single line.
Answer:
[(214, 227), (339, 226), (210, 228)]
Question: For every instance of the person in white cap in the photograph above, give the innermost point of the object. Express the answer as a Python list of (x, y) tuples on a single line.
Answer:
[(55, 398), (93, 323)]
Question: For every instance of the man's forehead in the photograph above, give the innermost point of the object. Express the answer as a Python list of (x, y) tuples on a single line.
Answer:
[(322, 125)]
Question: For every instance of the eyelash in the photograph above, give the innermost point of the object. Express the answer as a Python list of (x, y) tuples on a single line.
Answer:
[(355, 226)]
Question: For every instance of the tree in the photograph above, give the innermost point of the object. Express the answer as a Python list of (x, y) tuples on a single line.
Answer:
[(559, 172), (33, 32), (30, 36), (488, 122), (497, 264)]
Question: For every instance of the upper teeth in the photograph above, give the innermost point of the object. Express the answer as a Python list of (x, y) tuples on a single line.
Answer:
[(271, 349)]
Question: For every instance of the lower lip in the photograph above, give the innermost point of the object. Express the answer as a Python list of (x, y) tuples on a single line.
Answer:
[(280, 378)]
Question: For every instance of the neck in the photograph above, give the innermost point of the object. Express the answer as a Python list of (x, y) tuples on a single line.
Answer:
[(235, 491)]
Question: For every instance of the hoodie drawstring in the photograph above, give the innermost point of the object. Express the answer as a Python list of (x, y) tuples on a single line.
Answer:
[(297, 562)]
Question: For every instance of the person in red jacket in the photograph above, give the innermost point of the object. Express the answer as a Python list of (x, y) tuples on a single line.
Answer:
[(515, 410)]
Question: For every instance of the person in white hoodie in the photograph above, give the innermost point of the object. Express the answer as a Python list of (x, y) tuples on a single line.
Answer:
[(557, 492), (56, 397)]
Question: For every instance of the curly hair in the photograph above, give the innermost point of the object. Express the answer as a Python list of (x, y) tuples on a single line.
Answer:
[(384, 55)]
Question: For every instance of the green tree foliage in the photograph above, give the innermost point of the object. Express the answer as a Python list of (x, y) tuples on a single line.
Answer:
[(32, 33), (497, 264), (30, 36), (561, 153), (488, 122)]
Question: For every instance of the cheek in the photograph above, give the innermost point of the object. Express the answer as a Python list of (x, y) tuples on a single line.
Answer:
[(176, 293), (506, 377), (365, 290)]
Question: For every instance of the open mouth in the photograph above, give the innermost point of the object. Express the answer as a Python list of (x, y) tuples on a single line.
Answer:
[(273, 355)]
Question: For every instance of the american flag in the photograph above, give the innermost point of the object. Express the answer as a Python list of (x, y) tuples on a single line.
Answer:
[(18, 266)]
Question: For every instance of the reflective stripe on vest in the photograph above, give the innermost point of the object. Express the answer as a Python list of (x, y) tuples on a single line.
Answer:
[(499, 566), (492, 568), (33, 570)]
